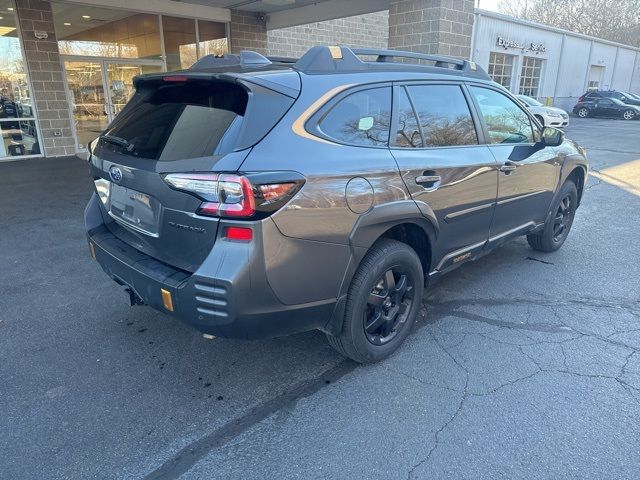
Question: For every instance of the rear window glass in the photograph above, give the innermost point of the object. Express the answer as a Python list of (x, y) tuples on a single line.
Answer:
[(362, 118), (181, 121)]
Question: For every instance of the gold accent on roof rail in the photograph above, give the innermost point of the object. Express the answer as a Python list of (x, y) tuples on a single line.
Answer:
[(336, 52)]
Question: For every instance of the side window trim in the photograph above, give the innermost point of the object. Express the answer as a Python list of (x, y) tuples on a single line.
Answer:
[(533, 123), (398, 85), (398, 90), (312, 125), (415, 114)]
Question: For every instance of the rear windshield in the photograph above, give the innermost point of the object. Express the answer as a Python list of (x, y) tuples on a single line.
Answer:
[(180, 121)]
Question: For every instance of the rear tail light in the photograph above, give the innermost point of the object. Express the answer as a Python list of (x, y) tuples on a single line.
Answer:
[(581, 99), (236, 196)]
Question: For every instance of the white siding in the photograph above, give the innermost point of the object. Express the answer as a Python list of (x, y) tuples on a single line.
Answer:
[(624, 69), (574, 67), (566, 65)]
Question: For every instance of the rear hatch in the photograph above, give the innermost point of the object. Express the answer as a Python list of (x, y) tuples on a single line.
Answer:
[(183, 123)]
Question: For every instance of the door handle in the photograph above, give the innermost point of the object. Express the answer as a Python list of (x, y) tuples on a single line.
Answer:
[(508, 167), (429, 182)]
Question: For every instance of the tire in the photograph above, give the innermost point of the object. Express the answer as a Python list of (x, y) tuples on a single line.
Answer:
[(380, 312), (628, 114), (540, 119), (583, 112), (559, 224)]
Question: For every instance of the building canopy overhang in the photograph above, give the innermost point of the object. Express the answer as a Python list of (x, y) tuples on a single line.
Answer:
[(277, 13)]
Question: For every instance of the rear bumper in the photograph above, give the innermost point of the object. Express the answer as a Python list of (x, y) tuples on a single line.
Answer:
[(228, 296)]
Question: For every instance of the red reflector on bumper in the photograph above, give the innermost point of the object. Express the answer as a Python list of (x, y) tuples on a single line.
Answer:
[(240, 234)]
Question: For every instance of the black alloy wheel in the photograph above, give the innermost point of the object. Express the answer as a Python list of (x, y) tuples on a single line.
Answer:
[(559, 222), (563, 218), (388, 306), (382, 305)]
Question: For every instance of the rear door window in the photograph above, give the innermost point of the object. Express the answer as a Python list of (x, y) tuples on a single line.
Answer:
[(362, 118), (444, 115), (182, 121)]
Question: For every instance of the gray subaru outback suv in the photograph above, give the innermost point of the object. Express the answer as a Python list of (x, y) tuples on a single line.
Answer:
[(254, 197)]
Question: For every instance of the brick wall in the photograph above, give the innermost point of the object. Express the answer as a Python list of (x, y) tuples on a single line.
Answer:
[(432, 26), (371, 30), (248, 32), (45, 72)]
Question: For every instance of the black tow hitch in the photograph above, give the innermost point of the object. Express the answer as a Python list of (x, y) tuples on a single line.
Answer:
[(134, 299)]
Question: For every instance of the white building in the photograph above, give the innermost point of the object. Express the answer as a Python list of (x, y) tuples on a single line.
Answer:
[(547, 62)]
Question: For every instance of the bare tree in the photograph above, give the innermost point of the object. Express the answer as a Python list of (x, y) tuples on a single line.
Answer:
[(616, 20)]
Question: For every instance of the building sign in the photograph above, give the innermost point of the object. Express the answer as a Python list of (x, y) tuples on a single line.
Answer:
[(531, 47)]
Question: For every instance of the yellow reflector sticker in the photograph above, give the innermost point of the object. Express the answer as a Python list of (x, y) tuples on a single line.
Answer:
[(336, 53), (166, 299), (92, 251)]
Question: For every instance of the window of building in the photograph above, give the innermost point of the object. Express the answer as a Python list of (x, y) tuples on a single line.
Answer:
[(179, 42), (444, 116), (212, 38), (362, 118), (505, 121), (501, 68), (17, 114), (530, 76), (101, 32)]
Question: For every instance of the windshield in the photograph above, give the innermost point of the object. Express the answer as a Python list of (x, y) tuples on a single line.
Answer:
[(532, 102), (179, 121)]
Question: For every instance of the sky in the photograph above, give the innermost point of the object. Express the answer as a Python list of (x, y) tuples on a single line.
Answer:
[(488, 4)]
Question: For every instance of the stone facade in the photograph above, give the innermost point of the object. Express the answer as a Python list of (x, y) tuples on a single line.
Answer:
[(45, 72), (371, 30), (248, 31), (432, 26)]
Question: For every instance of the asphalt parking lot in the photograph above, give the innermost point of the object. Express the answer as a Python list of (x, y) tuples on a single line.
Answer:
[(526, 365)]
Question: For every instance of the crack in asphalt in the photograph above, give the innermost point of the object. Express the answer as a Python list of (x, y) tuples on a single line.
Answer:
[(540, 370), (188, 456), (455, 414)]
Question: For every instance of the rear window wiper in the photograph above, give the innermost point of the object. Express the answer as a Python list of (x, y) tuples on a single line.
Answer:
[(119, 141)]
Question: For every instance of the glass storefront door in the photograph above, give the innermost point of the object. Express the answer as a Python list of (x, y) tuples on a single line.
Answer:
[(98, 90), (88, 101), (120, 83)]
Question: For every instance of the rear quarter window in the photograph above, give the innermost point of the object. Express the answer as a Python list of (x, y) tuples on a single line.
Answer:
[(181, 121), (361, 118)]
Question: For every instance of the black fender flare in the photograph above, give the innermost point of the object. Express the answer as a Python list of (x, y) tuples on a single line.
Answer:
[(569, 164), (367, 230), (371, 226)]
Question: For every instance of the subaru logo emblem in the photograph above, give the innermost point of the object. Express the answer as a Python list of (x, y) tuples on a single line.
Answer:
[(115, 173)]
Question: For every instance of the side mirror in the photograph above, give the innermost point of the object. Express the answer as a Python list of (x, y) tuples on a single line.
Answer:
[(552, 137)]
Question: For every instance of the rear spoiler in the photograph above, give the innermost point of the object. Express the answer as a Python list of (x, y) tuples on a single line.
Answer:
[(155, 79)]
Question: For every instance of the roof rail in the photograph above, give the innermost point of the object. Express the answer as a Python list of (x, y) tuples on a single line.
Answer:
[(344, 59), (246, 59), (278, 59)]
